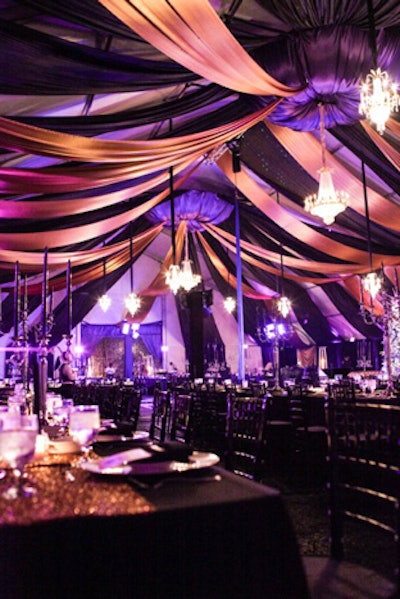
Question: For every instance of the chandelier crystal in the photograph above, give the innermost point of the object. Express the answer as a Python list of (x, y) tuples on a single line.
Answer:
[(378, 98), (105, 302), (328, 203), (372, 284), (284, 306), (229, 304)]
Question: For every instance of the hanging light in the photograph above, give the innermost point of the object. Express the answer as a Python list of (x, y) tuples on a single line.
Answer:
[(188, 279), (328, 203), (372, 282), (229, 301), (132, 301), (173, 275), (104, 300), (378, 95), (284, 304), (173, 278), (230, 304)]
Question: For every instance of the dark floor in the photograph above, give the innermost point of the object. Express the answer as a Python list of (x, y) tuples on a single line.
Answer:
[(307, 506)]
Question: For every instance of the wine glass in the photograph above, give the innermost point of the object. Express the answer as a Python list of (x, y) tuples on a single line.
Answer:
[(17, 448), (84, 422)]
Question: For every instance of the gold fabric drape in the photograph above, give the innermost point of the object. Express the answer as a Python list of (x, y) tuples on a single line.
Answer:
[(191, 33)]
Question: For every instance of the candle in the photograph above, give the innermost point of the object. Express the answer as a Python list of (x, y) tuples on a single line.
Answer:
[(396, 278)]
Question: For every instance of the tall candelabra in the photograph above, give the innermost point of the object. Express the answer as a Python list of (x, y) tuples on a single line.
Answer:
[(389, 323)]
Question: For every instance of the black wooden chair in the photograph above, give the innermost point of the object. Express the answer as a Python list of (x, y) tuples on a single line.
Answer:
[(364, 471), (342, 390), (128, 405), (308, 442), (182, 417), (161, 415), (245, 428)]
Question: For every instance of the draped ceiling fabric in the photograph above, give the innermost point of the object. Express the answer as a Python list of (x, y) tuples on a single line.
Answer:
[(101, 101)]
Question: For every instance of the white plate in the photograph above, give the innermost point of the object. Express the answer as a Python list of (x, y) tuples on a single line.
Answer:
[(196, 461)]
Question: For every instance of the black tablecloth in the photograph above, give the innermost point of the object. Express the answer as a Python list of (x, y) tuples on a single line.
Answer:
[(228, 539)]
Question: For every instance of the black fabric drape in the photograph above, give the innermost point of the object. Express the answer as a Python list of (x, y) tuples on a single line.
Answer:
[(58, 67)]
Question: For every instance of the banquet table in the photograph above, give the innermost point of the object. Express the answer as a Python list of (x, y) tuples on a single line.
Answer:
[(102, 536)]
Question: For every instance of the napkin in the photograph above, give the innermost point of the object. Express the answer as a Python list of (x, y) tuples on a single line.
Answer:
[(151, 452), (122, 428)]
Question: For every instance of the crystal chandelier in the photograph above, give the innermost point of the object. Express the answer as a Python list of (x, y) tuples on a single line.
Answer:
[(284, 306), (378, 98), (378, 95), (104, 300), (328, 203), (229, 304), (132, 301), (372, 284), (173, 278), (188, 279)]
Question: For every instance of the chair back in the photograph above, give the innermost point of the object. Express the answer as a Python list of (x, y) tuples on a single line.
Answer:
[(161, 415), (245, 428), (364, 469), (128, 405), (342, 390), (181, 418)]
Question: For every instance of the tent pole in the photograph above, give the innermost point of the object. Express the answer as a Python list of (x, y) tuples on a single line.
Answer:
[(236, 168)]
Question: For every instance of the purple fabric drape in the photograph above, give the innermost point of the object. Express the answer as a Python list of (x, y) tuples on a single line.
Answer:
[(194, 207), (330, 59)]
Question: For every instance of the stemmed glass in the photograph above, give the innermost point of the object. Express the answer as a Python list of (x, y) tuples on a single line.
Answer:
[(84, 422), (17, 448)]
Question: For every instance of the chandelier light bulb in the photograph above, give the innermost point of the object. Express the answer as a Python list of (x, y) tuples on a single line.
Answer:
[(378, 98), (132, 303), (105, 302), (229, 304)]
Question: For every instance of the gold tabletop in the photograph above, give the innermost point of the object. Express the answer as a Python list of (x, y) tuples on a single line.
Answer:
[(59, 497)]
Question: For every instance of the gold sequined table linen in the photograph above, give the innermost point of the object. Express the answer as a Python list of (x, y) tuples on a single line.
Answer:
[(58, 497)]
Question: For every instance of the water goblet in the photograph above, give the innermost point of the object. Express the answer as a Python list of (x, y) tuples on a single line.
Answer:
[(17, 448), (84, 422)]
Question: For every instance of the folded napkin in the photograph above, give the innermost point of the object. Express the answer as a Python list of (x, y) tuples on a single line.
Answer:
[(150, 452), (122, 428)]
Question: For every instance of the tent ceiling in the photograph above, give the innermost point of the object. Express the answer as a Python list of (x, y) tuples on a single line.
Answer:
[(101, 99)]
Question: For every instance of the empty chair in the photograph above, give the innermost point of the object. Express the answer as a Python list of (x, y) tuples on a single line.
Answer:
[(161, 415), (245, 427), (364, 471), (181, 417), (128, 405), (309, 442)]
